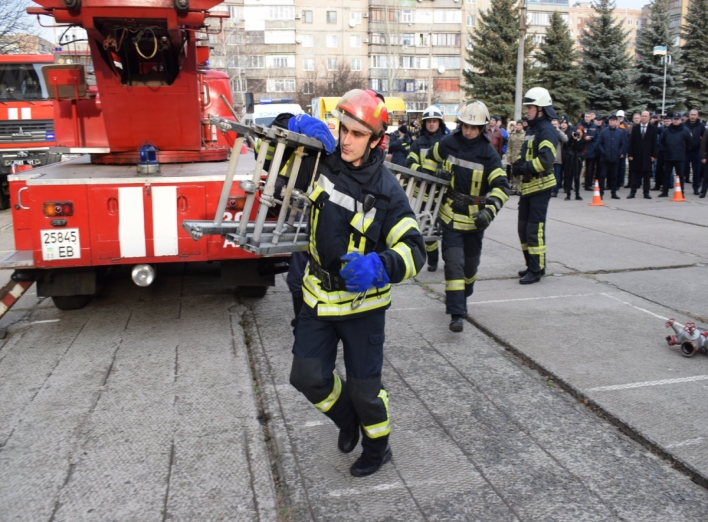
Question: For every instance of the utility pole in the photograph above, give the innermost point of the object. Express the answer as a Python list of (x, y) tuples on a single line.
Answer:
[(430, 69), (520, 60), (661, 50)]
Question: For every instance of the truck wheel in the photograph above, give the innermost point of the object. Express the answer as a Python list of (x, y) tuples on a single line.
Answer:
[(253, 291), (71, 302)]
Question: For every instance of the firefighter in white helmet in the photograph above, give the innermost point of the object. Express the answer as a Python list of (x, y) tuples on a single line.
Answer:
[(478, 190), (535, 166), (433, 131)]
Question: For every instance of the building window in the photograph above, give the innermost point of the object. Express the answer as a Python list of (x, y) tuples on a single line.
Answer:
[(281, 85), (629, 22), (281, 12), (307, 17), (378, 38), (378, 61), (407, 39), (280, 62), (447, 16), (255, 62), (356, 64), (307, 40), (355, 41), (331, 17), (354, 18), (332, 41), (540, 19), (424, 16), (446, 39), (407, 16), (378, 84), (280, 37), (471, 20), (449, 62), (308, 64), (331, 64), (379, 15), (308, 87)]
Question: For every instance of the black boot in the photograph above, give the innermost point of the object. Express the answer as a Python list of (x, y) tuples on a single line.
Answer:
[(433, 258), (647, 195), (457, 323), (664, 194), (297, 306), (567, 196), (632, 194), (349, 437), (522, 273), (376, 453), (577, 197), (531, 277), (615, 196)]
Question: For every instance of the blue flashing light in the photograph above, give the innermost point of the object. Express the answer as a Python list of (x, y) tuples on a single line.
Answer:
[(267, 101), (148, 155), (49, 136)]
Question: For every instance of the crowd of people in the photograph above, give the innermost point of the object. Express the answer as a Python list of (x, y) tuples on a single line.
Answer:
[(612, 149)]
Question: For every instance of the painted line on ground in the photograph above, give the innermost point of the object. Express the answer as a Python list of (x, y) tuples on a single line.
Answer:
[(529, 299), (650, 383), (690, 442), (46, 321), (641, 309)]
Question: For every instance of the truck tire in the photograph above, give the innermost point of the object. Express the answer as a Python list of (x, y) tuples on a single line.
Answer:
[(253, 291), (71, 302)]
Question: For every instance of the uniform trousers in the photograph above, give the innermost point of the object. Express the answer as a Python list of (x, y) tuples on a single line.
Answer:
[(360, 398), (461, 253), (532, 228)]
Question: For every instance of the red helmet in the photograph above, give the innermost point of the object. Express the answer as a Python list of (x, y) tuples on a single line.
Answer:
[(363, 111)]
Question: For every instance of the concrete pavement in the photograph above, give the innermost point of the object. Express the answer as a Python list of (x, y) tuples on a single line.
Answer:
[(173, 402)]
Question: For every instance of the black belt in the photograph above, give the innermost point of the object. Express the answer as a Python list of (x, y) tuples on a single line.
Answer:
[(458, 198), (329, 280)]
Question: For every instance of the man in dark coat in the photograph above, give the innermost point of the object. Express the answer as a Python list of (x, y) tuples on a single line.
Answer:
[(675, 141), (642, 152), (610, 149), (693, 158), (399, 148)]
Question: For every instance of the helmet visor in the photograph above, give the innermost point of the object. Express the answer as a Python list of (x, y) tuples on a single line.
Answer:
[(350, 122)]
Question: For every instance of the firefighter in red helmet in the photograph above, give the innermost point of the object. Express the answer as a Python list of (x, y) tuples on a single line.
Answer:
[(363, 238)]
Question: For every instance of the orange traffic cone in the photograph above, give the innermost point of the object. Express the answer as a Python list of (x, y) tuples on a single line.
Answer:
[(244, 149), (678, 193), (596, 198)]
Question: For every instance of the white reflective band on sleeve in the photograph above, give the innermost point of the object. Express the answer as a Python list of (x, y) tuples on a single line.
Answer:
[(529, 137), (164, 220), (466, 164), (131, 222)]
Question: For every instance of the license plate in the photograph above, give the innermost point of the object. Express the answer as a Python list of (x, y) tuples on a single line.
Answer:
[(61, 244)]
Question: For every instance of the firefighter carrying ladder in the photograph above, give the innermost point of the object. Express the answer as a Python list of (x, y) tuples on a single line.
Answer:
[(289, 232)]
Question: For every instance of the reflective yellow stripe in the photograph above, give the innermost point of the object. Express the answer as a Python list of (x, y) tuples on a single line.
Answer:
[(524, 247), (369, 303), (406, 254), (454, 285), (546, 143), (436, 154), (538, 184), (541, 247), (499, 193), (470, 280), (537, 165), (326, 404), (374, 431), (360, 222), (431, 247), (314, 220), (397, 232), (495, 174)]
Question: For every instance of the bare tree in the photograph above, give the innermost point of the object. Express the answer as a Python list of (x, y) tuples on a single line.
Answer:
[(16, 26), (323, 82)]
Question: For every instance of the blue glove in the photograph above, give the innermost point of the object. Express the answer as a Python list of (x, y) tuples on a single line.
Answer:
[(313, 128), (362, 272)]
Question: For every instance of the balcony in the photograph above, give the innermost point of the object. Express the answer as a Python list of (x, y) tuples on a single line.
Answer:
[(279, 24)]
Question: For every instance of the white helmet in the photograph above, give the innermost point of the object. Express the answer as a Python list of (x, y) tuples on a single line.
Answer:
[(542, 98), (620, 113), (474, 113), (431, 113)]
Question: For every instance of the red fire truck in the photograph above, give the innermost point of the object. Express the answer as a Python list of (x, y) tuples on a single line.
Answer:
[(151, 158), (26, 116)]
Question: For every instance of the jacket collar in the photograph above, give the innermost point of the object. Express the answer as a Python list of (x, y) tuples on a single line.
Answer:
[(363, 173)]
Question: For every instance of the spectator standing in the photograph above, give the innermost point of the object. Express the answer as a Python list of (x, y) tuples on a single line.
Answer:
[(659, 170), (495, 137), (704, 163), (636, 117), (675, 141), (558, 162), (572, 161), (516, 140), (611, 150), (525, 122), (400, 147), (693, 156), (642, 152), (591, 131)]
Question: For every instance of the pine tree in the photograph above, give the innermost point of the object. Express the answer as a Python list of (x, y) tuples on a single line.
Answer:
[(608, 78), (650, 69), (492, 58), (694, 55), (560, 74)]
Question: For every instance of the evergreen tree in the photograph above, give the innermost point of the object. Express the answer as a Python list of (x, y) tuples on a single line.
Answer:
[(492, 58), (650, 69), (694, 55), (608, 78), (560, 74)]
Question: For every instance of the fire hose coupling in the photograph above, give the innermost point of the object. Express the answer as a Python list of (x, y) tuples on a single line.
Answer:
[(689, 338), (182, 5)]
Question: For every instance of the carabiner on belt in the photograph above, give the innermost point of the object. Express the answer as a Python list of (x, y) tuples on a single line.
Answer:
[(356, 303)]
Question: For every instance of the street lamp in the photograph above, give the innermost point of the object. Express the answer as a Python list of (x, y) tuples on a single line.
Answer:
[(661, 50), (520, 60)]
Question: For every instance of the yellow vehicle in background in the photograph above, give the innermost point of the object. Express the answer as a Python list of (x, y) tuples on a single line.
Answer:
[(322, 110)]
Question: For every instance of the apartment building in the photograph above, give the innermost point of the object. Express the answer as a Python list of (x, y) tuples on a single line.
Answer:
[(581, 12)]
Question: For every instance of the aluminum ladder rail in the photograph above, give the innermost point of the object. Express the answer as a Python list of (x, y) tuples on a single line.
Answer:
[(289, 233), (421, 190)]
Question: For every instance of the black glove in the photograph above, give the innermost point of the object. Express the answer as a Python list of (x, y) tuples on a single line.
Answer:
[(517, 168), (483, 218)]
